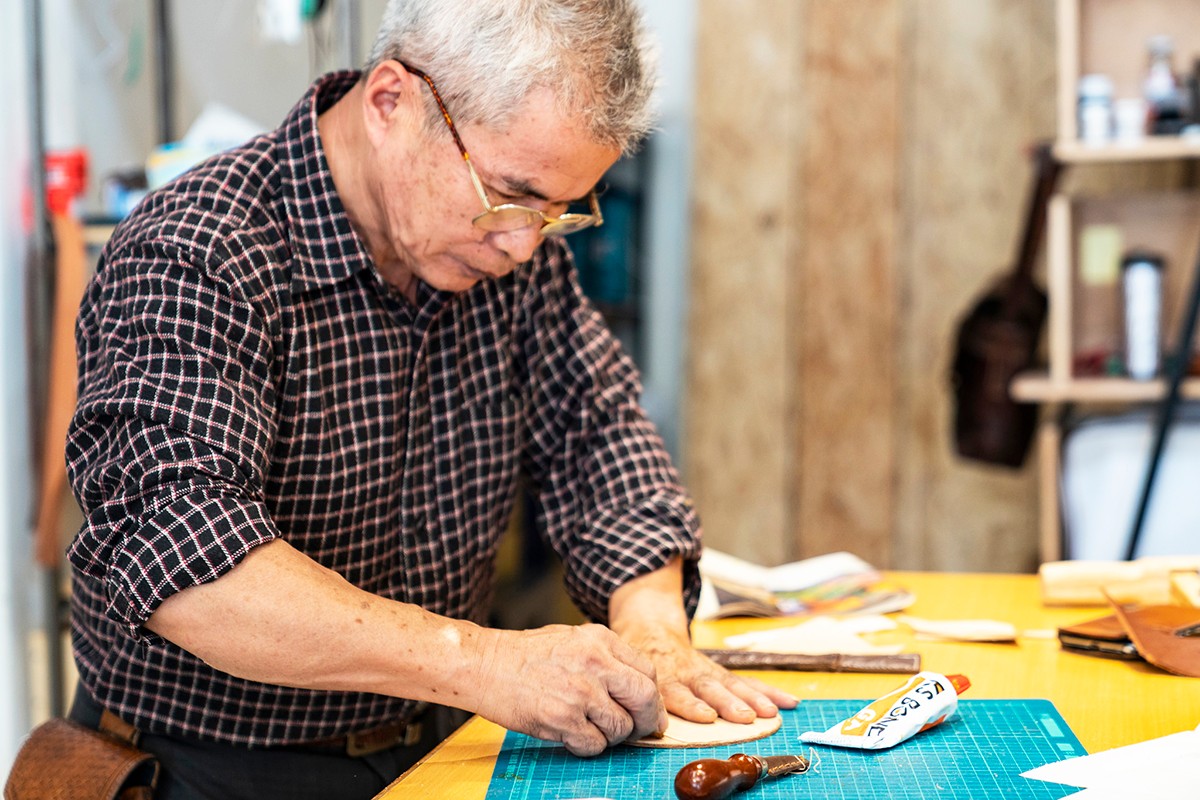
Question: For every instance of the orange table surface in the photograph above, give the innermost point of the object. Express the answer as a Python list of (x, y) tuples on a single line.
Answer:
[(1107, 703)]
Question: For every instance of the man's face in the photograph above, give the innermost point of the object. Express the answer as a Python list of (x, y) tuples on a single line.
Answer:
[(540, 160)]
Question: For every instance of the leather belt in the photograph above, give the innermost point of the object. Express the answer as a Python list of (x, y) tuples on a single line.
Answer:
[(363, 743), (357, 743)]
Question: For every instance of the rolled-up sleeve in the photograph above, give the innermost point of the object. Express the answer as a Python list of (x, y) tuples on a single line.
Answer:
[(166, 450), (609, 500)]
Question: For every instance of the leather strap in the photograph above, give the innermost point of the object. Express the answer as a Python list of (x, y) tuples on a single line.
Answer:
[(114, 726)]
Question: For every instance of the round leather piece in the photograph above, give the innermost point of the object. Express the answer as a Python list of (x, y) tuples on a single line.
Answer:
[(682, 733)]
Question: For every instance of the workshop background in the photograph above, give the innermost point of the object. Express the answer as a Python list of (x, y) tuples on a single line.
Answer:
[(832, 186)]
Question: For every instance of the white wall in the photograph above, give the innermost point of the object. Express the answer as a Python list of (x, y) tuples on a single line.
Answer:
[(668, 224), (102, 74), (17, 587)]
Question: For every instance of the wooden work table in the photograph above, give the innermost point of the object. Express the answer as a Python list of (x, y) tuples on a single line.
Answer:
[(1107, 703)]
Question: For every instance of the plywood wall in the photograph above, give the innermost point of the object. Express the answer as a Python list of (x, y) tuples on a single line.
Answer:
[(860, 177), (742, 443)]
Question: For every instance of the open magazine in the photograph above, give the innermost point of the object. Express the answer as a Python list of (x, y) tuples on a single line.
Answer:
[(836, 583)]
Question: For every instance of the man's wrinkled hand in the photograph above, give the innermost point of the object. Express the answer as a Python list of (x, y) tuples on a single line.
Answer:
[(697, 689), (579, 685)]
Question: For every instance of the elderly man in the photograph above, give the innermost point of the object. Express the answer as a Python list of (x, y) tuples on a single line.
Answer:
[(311, 370)]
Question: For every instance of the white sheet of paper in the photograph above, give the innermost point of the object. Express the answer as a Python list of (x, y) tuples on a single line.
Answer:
[(1162, 767), (820, 635), (963, 630)]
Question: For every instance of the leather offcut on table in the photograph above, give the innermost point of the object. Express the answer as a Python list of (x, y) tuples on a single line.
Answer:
[(829, 662)]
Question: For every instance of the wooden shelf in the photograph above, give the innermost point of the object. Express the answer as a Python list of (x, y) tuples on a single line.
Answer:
[(1106, 37), (1150, 148), (1039, 387)]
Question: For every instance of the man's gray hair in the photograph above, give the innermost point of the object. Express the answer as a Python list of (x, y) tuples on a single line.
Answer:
[(486, 56)]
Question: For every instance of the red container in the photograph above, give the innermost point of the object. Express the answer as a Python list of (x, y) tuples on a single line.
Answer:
[(66, 179)]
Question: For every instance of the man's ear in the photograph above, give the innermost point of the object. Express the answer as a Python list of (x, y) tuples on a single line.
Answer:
[(391, 96)]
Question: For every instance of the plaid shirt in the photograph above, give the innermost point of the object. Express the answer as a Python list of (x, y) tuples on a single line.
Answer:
[(246, 375)]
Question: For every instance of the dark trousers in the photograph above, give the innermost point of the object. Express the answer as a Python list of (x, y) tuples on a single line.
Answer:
[(194, 770)]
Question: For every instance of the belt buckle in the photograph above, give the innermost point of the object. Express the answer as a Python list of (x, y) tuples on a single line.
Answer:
[(364, 743)]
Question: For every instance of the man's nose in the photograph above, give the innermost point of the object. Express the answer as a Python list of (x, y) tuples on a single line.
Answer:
[(519, 244)]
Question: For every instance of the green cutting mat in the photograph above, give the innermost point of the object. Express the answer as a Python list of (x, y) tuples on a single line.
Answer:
[(979, 753)]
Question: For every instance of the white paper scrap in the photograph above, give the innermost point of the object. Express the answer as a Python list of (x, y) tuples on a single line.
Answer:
[(791, 577), (963, 630), (818, 636), (813, 571), (1162, 767)]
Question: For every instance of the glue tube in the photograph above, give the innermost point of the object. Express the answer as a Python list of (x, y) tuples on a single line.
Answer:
[(924, 700)]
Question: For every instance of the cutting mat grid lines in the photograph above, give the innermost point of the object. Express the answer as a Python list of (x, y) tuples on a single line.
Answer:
[(980, 753)]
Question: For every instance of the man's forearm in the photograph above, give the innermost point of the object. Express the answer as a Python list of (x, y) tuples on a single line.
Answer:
[(653, 601), (279, 617)]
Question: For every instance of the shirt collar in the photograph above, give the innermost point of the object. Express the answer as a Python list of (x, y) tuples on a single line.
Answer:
[(326, 248)]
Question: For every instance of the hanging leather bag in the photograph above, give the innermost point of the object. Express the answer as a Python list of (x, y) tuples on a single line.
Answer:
[(998, 339), (63, 760)]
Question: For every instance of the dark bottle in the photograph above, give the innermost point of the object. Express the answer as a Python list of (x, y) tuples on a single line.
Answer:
[(1165, 101)]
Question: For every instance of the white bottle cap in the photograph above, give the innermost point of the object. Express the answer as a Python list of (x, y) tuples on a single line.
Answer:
[(1095, 86)]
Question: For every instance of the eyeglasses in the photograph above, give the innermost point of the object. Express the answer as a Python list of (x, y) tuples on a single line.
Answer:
[(511, 216)]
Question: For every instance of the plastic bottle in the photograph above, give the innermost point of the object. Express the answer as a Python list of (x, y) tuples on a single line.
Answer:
[(1095, 108), (1141, 285)]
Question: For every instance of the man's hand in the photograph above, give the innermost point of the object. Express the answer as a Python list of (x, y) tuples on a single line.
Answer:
[(648, 614), (695, 688), (579, 685)]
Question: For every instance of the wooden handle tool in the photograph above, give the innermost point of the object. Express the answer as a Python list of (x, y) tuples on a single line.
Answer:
[(903, 663), (714, 779)]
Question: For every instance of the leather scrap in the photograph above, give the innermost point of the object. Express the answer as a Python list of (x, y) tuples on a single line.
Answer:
[(828, 662), (1166, 636)]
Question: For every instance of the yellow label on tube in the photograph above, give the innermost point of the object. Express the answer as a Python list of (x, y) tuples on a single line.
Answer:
[(924, 700)]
